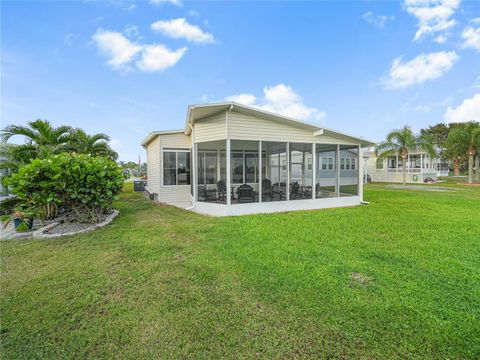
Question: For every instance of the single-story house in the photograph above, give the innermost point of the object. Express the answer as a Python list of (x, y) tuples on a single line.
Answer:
[(419, 166), (232, 159)]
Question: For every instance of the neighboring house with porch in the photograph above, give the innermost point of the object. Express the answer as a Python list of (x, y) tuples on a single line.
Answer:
[(232, 159), (419, 166)]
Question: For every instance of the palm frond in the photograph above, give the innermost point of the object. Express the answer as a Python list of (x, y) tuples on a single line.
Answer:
[(13, 130)]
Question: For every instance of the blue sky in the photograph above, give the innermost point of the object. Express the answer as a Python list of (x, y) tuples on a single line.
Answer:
[(129, 67)]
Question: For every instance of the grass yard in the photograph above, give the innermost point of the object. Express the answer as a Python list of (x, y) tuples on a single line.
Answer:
[(165, 283)]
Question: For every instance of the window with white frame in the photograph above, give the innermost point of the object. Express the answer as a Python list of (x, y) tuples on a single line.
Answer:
[(331, 163), (324, 163), (327, 163), (176, 167), (309, 164), (348, 163)]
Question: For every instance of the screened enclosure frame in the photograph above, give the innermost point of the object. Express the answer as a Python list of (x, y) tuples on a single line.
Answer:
[(309, 188)]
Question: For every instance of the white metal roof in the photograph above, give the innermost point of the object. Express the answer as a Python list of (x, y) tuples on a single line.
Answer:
[(197, 112)]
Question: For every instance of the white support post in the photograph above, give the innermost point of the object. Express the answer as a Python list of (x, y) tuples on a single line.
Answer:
[(314, 170), (337, 187), (260, 171), (219, 176), (287, 187), (360, 172), (195, 172), (229, 189)]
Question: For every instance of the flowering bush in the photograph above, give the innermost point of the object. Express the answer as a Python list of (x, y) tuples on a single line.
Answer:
[(85, 184)]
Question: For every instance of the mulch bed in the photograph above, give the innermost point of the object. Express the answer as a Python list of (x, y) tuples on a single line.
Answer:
[(68, 227)]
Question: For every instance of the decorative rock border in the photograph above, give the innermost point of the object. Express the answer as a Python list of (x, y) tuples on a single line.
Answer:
[(42, 233)]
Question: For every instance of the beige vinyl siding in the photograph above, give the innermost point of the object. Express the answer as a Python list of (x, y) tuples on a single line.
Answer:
[(178, 195), (241, 126), (246, 127), (176, 140), (153, 165), (211, 128)]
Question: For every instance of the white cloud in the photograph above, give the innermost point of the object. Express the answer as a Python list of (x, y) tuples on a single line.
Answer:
[(440, 39), (418, 70), (117, 47), (69, 39), (174, 2), (468, 110), (159, 57), (407, 107), (130, 7), (121, 52), (471, 38), (281, 99), (434, 16), (180, 28), (131, 30), (193, 13), (378, 21), (476, 83), (246, 99)]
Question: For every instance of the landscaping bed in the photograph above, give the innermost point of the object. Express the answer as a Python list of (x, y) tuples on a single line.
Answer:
[(56, 228)]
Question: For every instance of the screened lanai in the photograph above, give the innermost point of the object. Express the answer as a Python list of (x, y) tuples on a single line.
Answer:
[(245, 160), (234, 172)]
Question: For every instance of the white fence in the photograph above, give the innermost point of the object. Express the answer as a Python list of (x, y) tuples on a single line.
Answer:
[(412, 177)]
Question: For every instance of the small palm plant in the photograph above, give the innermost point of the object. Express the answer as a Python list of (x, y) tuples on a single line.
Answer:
[(401, 142), (95, 145), (42, 139)]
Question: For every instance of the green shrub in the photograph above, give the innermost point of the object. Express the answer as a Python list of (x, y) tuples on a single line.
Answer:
[(84, 184)]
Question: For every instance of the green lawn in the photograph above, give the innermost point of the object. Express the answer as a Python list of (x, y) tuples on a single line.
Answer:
[(165, 283)]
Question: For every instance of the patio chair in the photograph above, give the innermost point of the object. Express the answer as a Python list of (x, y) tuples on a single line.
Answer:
[(245, 193), (267, 190), (221, 190), (208, 194), (307, 192), (294, 193), (278, 188)]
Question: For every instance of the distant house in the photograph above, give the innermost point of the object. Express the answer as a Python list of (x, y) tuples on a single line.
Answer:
[(389, 169), (232, 159)]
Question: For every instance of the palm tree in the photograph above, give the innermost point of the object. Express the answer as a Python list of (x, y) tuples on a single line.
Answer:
[(473, 148), (430, 144), (400, 142), (462, 143), (95, 145), (40, 135), (16, 156)]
